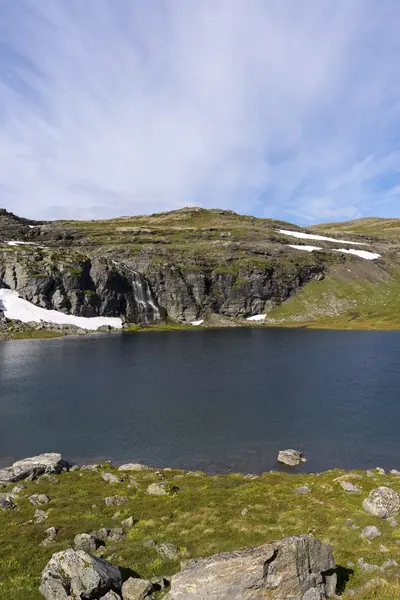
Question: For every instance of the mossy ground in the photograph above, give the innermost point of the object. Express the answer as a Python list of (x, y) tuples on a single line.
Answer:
[(203, 516)]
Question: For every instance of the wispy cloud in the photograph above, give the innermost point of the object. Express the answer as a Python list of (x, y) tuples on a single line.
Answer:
[(285, 109)]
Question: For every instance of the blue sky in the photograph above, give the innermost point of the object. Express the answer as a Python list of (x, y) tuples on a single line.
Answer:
[(280, 109)]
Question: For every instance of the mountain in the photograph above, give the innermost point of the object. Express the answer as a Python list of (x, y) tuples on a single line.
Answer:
[(195, 263)]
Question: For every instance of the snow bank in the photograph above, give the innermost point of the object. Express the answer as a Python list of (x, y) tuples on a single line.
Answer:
[(311, 236), (307, 248), (257, 318), (16, 243), (16, 308), (197, 323), (361, 253)]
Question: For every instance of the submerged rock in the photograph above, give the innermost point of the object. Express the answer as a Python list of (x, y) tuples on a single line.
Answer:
[(291, 458), (298, 567), (32, 468), (77, 574), (382, 502)]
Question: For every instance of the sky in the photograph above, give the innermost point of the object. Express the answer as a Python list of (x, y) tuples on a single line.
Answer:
[(284, 109)]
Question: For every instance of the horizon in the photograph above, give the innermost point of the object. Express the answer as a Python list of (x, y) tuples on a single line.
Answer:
[(286, 111)]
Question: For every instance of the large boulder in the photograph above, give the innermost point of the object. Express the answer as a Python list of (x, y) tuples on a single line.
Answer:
[(31, 468), (291, 457), (382, 502), (299, 568), (73, 574)]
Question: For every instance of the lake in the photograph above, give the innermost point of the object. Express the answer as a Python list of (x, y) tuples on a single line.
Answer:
[(213, 400)]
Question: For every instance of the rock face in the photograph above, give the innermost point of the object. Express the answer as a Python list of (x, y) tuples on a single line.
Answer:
[(299, 568), (382, 502), (291, 458), (76, 574), (32, 468)]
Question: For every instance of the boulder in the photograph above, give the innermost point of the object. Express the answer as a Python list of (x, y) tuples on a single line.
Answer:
[(158, 489), (77, 574), (7, 502), (39, 499), (40, 515), (370, 532), (32, 468), (167, 551), (86, 542), (133, 467), (128, 522), (297, 567), (304, 489), (291, 458), (382, 502), (110, 478), (51, 534), (350, 487), (136, 589), (115, 500)]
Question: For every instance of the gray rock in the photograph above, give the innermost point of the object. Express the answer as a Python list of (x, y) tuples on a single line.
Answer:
[(86, 542), (116, 534), (388, 564), (158, 489), (285, 569), (77, 574), (149, 543), (291, 457), (31, 468), (17, 489), (111, 478), (244, 512), (350, 487), (394, 472), (392, 522), (350, 523), (370, 473), (251, 476), (7, 502), (128, 523), (383, 548), (39, 499), (111, 596), (133, 467), (51, 534), (115, 500), (136, 589), (160, 583), (168, 551), (304, 489), (382, 502), (101, 534), (40, 515), (370, 532), (364, 566), (380, 471)]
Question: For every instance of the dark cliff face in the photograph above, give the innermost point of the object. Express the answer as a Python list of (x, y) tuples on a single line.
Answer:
[(182, 265), (99, 287)]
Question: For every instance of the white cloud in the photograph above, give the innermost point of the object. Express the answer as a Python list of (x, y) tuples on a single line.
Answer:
[(112, 108)]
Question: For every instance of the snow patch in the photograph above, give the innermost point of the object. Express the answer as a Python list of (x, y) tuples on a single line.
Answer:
[(311, 236), (197, 323), (307, 248), (257, 318), (16, 308), (17, 243), (360, 253)]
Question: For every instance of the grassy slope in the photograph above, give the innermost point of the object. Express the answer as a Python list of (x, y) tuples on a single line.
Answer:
[(376, 226), (204, 517)]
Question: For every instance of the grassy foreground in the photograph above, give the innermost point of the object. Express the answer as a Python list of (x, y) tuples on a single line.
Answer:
[(203, 516)]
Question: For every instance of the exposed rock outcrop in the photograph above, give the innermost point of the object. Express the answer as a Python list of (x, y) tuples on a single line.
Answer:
[(382, 502), (291, 458), (32, 468), (299, 568)]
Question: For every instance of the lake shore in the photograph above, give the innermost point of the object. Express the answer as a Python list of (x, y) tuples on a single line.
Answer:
[(198, 515)]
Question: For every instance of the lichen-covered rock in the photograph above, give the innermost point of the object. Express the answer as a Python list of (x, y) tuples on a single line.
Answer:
[(290, 568), (158, 489), (133, 467), (74, 574), (110, 478), (370, 532), (33, 467), (86, 542), (291, 458), (39, 499), (350, 487), (382, 502), (115, 500), (136, 589), (167, 551), (51, 534), (7, 502)]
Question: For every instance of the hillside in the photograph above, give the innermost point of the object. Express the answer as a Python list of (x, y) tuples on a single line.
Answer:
[(193, 263), (375, 226)]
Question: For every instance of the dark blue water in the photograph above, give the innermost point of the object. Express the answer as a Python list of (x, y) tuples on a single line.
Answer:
[(215, 400)]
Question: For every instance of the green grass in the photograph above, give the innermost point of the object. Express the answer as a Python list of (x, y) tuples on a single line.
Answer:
[(36, 334), (203, 517), (345, 302)]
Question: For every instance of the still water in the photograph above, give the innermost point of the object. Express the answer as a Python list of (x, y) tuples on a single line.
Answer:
[(212, 400)]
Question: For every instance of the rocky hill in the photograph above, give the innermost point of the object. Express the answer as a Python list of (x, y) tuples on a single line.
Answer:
[(195, 263)]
